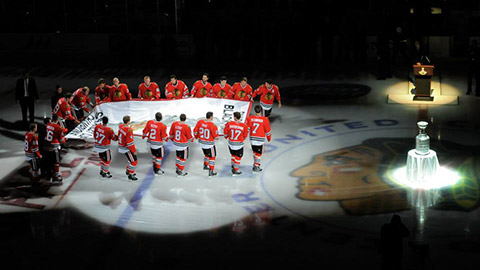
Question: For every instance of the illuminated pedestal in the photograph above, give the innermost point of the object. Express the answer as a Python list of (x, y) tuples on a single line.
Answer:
[(421, 171), (422, 168)]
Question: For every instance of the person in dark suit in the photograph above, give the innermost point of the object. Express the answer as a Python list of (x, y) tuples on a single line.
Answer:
[(26, 94)]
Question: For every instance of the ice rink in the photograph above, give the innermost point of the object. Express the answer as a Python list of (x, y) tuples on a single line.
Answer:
[(326, 188)]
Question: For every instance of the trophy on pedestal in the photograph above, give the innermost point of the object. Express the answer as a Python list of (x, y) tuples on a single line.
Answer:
[(422, 141)]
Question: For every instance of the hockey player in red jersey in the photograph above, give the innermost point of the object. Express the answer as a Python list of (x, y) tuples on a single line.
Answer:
[(242, 90), (80, 101), (119, 91), (202, 88), (176, 89), (236, 132), (103, 136), (53, 138), (259, 129), (222, 89), (148, 90), (126, 145), (268, 92), (32, 153), (181, 134), (156, 133), (102, 92), (63, 110), (206, 132)]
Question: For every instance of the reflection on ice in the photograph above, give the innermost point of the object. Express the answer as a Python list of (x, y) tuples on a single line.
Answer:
[(421, 200)]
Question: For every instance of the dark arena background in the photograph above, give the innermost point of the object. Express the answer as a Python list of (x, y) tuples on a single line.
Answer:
[(336, 190)]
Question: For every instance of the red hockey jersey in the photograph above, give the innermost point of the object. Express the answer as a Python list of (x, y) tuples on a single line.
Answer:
[(200, 89), (267, 95), (259, 129), (120, 92), (222, 92), (242, 93), (156, 133), (180, 134), (53, 136), (148, 92), (103, 136), (177, 91), (63, 109), (80, 100), (205, 132), (125, 139), (236, 132), (31, 146), (102, 94)]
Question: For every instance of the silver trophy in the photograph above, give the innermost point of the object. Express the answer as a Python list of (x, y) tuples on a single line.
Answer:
[(422, 141)]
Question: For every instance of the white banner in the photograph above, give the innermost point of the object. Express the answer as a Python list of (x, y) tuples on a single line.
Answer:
[(142, 111)]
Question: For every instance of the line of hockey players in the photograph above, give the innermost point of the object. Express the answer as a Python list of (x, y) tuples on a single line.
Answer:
[(257, 127), (72, 107), (69, 110)]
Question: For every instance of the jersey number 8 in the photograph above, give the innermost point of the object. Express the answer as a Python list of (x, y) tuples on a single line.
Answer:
[(178, 135)]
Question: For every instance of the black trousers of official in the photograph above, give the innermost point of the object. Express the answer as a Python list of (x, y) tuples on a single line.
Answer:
[(27, 103)]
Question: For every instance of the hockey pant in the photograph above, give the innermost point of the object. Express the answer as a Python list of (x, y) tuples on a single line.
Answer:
[(132, 162), (157, 156), (236, 157), (182, 156), (34, 175), (54, 159), (257, 154), (105, 160)]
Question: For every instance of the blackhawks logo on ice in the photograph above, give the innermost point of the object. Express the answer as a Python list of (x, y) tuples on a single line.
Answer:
[(331, 176)]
